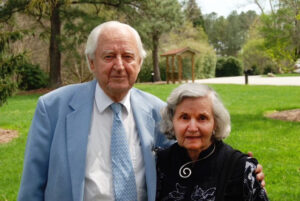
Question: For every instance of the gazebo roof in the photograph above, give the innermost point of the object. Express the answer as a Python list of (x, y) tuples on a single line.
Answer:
[(179, 51)]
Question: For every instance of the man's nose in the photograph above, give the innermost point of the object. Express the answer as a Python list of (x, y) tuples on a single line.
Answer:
[(118, 65)]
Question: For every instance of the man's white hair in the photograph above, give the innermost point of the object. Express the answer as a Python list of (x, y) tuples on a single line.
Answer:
[(92, 41)]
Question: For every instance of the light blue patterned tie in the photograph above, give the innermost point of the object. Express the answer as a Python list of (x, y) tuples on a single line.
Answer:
[(122, 169)]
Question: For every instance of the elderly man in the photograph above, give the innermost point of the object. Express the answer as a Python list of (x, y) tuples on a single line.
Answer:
[(96, 140)]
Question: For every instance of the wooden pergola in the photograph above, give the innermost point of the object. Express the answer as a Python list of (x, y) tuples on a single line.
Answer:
[(178, 53)]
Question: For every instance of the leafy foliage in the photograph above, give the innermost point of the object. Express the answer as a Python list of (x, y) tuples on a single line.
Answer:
[(281, 32), (76, 29), (8, 64), (193, 13), (53, 15), (194, 37), (255, 57), (31, 77), (152, 20), (147, 75), (227, 35)]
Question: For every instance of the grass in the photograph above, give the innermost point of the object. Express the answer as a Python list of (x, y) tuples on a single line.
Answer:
[(276, 144), (285, 75), (16, 114)]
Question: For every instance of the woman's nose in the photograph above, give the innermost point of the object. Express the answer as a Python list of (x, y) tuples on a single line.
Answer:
[(192, 125)]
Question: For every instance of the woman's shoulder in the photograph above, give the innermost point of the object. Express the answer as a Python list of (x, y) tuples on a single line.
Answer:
[(236, 159), (243, 176), (228, 153)]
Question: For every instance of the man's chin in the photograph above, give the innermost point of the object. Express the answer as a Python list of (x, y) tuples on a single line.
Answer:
[(119, 88), (116, 86)]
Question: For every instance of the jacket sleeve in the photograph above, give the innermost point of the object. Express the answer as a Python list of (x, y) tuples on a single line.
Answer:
[(252, 189), (35, 170), (161, 140)]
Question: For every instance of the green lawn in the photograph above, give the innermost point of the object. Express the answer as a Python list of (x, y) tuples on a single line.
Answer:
[(285, 75), (276, 144)]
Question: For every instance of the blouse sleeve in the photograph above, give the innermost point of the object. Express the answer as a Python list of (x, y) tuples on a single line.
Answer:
[(252, 189)]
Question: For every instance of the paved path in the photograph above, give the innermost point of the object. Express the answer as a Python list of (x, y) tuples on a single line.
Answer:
[(254, 80)]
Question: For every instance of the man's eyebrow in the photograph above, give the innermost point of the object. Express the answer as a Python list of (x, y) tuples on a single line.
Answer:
[(111, 51), (107, 51), (129, 52)]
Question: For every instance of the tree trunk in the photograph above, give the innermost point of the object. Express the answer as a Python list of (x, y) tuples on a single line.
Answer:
[(155, 41), (54, 51), (297, 34)]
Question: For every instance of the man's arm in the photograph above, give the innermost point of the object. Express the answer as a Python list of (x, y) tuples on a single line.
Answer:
[(36, 160), (259, 172)]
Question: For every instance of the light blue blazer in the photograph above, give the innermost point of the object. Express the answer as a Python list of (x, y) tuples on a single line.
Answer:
[(54, 166)]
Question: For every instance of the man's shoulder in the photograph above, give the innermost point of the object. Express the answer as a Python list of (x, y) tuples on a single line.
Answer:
[(68, 90), (149, 98), (66, 93)]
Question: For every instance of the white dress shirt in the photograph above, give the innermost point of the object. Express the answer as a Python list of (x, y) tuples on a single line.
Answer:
[(98, 174)]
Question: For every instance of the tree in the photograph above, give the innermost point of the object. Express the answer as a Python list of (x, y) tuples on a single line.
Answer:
[(8, 64), (255, 56), (154, 18), (215, 28), (281, 30), (193, 13), (228, 35), (52, 10)]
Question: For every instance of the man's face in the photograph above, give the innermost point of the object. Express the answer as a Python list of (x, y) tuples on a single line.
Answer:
[(117, 63)]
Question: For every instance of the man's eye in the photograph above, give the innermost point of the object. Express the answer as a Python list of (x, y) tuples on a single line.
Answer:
[(128, 57), (108, 57)]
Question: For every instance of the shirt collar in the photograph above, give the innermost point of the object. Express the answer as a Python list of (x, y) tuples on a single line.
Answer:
[(103, 101)]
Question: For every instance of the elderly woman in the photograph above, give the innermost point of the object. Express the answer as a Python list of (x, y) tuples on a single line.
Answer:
[(200, 166)]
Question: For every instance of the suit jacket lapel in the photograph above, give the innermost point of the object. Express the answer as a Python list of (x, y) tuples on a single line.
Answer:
[(146, 127), (78, 124)]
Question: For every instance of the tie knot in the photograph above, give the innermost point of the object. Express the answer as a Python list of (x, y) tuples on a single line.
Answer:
[(116, 107)]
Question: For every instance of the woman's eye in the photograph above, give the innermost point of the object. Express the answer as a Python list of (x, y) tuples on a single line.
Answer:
[(184, 116), (202, 117)]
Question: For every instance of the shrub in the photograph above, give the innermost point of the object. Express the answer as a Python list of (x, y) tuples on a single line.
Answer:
[(208, 65), (162, 69), (31, 76), (228, 66), (147, 69), (145, 74), (270, 69)]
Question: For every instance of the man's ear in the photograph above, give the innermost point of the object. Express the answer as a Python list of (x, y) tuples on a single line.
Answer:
[(91, 62), (141, 63)]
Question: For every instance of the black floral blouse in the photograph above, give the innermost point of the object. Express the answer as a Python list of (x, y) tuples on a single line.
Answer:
[(178, 178)]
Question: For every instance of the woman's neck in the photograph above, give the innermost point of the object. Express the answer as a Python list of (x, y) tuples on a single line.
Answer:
[(194, 154)]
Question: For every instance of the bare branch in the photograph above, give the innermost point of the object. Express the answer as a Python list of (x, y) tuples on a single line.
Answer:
[(259, 6), (271, 6)]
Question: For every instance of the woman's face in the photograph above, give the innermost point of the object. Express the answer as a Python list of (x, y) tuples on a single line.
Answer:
[(193, 124)]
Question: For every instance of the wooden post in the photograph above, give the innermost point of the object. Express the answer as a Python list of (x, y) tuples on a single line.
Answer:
[(167, 69), (173, 69), (193, 69), (179, 68)]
